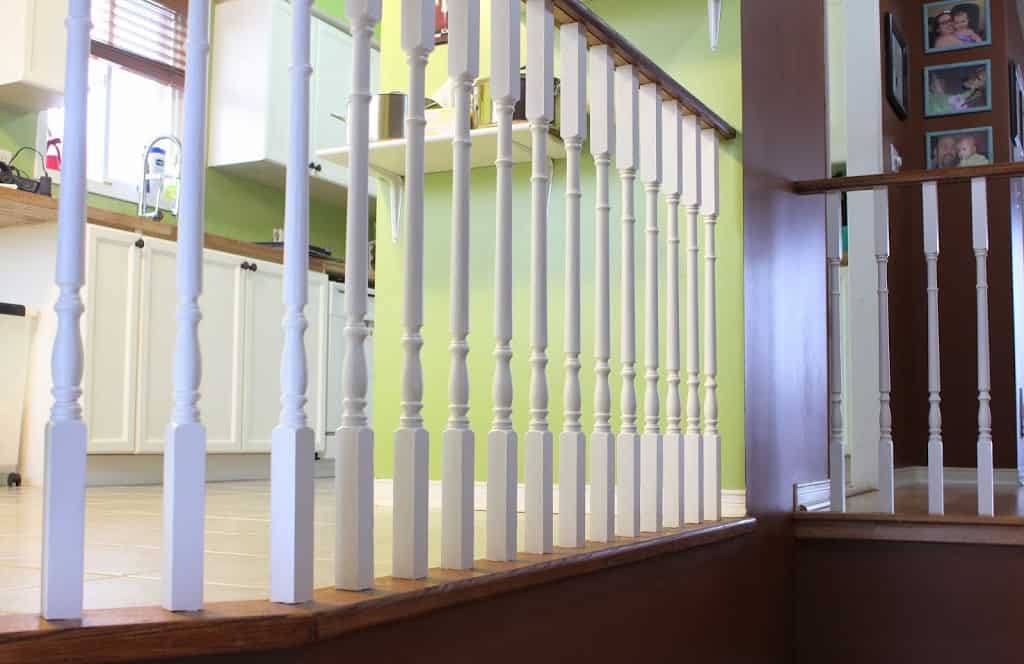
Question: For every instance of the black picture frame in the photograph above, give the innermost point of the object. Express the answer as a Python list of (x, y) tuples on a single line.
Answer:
[(1014, 103), (897, 55)]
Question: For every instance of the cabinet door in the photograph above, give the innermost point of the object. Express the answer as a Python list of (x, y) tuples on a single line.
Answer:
[(331, 86), (220, 346), (279, 85), (111, 338), (317, 315), (264, 340), (261, 363)]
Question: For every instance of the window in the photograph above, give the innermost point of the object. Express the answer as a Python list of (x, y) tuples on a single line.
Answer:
[(136, 79)]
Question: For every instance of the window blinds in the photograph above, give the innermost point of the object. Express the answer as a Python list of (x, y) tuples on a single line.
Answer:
[(145, 36)]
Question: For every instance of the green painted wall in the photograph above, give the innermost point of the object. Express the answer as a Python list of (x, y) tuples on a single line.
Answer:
[(236, 207), (674, 34)]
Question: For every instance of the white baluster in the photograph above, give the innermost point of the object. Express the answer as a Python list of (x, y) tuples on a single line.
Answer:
[(540, 107), (353, 467), (502, 448), (572, 441), (457, 480), (929, 199), (602, 440), (651, 452), (412, 442), (185, 449), (886, 477), (627, 139), (986, 474), (711, 442), (64, 485), (693, 453), (836, 446), (672, 186), (292, 444)]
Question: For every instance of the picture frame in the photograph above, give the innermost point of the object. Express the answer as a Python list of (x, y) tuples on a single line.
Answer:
[(959, 147), (951, 25), (897, 55), (958, 88), (1016, 97)]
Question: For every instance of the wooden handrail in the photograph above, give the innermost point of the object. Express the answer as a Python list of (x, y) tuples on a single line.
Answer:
[(599, 32), (942, 175)]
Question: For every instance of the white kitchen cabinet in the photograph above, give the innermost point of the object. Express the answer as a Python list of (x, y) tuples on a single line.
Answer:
[(32, 67), (250, 90), (111, 331), (220, 345), (130, 327), (261, 363)]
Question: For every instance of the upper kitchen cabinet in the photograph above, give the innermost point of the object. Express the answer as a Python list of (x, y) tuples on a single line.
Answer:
[(251, 55), (32, 69)]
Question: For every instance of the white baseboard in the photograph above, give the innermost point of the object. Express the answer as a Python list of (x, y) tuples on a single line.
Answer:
[(916, 475), (734, 501), (140, 469)]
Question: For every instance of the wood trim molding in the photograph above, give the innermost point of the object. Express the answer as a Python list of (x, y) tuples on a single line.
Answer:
[(942, 529), (232, 627), (600, 32), (941, 175), (21, 208)]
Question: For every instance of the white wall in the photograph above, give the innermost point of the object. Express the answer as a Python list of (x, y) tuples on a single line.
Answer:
[(863, 156)]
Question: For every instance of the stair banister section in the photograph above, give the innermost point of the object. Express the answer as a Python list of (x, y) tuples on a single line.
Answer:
[(930, 204), (627, 156), (602, 440), (836, 444), (502, 443), (354, 464), (672, 187), (886, 470), (693, 455), (651, 451), (572, 441), (540, 107), (458, 445), (63, 563), (711, 442), (412, 441), (979, 233), (292, 443), (185, 449)]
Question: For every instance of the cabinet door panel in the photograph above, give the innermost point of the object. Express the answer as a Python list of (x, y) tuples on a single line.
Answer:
[(219, 347), (330, 86), (220, 341), (316, 355), (111, 339), (158, 302), (261, 373)]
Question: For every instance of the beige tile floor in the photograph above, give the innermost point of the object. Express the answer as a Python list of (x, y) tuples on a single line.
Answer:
[(123, 534)]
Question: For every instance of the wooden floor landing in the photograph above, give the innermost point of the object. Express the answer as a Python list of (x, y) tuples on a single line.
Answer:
[(124, 635), (960, 522)]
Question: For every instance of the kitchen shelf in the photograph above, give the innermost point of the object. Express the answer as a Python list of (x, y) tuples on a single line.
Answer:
[(387, 158)]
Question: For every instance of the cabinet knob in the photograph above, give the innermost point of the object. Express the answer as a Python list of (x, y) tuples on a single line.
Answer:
[(140, 243), (253, 267), (245, 265)]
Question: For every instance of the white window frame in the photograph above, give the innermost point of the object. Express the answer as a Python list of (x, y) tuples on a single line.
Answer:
[(106, 187)]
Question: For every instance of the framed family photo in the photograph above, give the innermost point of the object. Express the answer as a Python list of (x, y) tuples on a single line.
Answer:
[(959, 147), (897, 89), (962, 87), (954, 24)]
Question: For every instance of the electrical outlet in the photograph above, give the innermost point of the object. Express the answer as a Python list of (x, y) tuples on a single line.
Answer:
[(5, 156)]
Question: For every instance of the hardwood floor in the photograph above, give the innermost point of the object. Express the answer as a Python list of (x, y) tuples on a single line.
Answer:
[(960, 499)]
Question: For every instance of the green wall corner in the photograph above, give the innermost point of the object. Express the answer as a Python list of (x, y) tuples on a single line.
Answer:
[(674, 34)]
